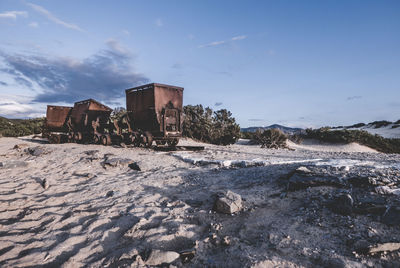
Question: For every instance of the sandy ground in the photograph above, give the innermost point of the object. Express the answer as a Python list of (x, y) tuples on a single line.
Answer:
[(62, 206)]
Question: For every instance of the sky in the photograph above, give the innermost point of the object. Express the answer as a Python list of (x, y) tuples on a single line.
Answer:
[(295, 63)]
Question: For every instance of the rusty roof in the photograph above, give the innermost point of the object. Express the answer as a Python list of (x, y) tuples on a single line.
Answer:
[(95, 101), (152, 85)]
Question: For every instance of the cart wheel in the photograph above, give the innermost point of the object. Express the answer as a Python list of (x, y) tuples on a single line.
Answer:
[(148, 140), (55, 139), (106, 140), (173, 142), (161, 142), (78, 136), (96, 139)]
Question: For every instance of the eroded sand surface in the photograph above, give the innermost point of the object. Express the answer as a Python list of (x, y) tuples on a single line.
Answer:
[(60, 205)]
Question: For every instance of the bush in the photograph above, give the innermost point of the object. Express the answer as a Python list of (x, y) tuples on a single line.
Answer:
[(270, 138), (20, 127), (213, 127), (379, 124), (360, 136)]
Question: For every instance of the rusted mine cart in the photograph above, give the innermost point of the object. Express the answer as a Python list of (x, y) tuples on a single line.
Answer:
[(90, 122), (56, 127), (154, 113)]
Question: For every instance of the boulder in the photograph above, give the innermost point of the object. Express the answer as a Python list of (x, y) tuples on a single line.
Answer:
[(114, 162), (134, 166), (343, 204), (228, 203), (158, 257), (36, 151), (300, 181)]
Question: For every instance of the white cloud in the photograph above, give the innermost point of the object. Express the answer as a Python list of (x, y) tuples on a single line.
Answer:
[(240, 37), (126, 32), (33, 24), (53, 18), (158, 22), (217, 43), (19, 107), (115, 46), (13, 14)]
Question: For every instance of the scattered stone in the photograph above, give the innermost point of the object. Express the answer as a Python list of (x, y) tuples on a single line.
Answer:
[(387, 190), (362, 181), (158, 257), (84, 174), (304, 170), (226, 241), (187, 255), (343, 204), (114, 162), (13, 164), (228, 203), (134, 166), (45, 184), (91, 152), (36, 151), (110, 193), (20, 146), (384, 247), (300, 181), (392, 216)]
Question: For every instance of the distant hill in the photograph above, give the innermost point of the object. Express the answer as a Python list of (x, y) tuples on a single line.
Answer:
[(287, 130), (20, 127)]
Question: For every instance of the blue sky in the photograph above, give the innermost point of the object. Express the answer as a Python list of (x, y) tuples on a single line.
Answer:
[(297, 63)]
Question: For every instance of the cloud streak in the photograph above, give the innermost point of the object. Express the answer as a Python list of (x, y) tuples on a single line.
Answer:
[(53, 18), (218, 43), (13, 14), (102, 76), (354, 98)]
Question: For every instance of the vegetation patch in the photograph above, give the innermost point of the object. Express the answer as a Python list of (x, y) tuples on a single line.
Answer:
[(204, 124), (359, 136), (20, 127), (270, 138)]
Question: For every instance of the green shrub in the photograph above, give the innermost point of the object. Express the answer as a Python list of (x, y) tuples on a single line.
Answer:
[(270, 138), (379, 124), (213, 127), (20, 127), (359, 136)]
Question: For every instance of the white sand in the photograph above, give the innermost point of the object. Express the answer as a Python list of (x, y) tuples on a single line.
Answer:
[(164, 206)]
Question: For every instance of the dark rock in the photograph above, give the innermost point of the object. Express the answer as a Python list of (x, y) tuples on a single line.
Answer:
[(134, 166), (392, 216), (361, 246), (36, 151), (45, 184), (110, 193), (228, 203), (343, 204), (301, 181), (114, 162), (187, 255), (362, 181), (91, 152)]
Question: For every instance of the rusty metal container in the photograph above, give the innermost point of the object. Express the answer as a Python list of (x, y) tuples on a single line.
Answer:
[(86, 111), (56, 118), (156, 109)]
